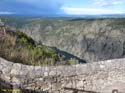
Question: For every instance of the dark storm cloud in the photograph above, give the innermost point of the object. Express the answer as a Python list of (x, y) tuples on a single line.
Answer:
[(44, 7)]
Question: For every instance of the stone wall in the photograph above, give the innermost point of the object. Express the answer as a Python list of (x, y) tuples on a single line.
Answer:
[(97, 77)]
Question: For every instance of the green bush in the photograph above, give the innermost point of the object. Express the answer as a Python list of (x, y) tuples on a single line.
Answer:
[(24, 39)]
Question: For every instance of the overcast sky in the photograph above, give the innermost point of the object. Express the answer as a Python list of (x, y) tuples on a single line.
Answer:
[(62, 7)]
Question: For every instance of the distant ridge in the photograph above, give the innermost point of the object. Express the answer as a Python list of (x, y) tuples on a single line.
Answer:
[(64, 15)]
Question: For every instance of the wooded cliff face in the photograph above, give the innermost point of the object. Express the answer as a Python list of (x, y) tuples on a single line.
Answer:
[(89, 39)]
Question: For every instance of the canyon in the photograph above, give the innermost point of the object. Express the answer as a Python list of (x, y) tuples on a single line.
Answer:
[(88, 39), (98, 43)]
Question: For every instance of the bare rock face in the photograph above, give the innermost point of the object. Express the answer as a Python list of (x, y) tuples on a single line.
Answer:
[(98, 77)]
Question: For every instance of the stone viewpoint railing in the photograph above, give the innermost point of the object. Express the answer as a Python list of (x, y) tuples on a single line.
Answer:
[(98, 77)]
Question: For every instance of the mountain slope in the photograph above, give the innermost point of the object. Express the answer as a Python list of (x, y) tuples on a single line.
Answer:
[(89, 39), (18, 47)]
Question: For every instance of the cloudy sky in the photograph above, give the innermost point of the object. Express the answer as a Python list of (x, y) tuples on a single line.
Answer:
[(62, 7)]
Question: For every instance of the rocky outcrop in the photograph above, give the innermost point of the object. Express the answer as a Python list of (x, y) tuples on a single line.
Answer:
[(97, 77), (2, 30)]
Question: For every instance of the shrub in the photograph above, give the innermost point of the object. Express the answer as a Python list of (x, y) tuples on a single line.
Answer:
[(71, 62)]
